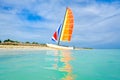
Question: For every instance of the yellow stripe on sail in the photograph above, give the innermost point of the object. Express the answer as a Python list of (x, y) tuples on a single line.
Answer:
[(67, 26)]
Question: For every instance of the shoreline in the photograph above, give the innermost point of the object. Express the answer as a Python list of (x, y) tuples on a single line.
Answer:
[(32, 47), (29, 47)]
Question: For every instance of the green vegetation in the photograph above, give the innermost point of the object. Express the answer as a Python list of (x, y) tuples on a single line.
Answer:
[(35, 43), (10, 41), (87, 48), (13, 42), (27, 42)]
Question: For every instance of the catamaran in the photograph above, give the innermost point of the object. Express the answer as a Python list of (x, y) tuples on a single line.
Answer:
[(64, 31)]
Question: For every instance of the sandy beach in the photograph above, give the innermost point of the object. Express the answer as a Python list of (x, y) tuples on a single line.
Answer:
[(31, 47), (24, 47)]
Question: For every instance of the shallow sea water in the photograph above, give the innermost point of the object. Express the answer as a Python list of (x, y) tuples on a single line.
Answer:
[(96, 64)]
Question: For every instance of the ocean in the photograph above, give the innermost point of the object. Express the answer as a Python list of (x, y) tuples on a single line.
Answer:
[(96, 64)]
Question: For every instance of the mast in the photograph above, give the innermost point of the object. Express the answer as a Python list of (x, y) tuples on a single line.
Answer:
[(62, 28)]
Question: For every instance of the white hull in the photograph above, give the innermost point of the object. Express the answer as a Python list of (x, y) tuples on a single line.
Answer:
[(59, 47)]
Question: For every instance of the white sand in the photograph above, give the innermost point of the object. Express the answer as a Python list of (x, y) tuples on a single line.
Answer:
[(17, 47)]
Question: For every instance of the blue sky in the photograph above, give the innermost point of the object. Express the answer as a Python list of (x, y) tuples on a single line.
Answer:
[(97, 22)]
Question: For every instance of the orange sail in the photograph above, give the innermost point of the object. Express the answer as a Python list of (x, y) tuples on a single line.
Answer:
[(68, 25)]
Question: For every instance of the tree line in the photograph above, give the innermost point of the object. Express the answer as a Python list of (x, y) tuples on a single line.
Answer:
[(17, 42)]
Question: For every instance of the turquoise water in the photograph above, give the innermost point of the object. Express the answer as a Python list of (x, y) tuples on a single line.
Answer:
[(101, 64)]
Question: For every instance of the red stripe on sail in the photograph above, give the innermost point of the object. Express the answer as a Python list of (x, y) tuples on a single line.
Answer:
[(55, 35)]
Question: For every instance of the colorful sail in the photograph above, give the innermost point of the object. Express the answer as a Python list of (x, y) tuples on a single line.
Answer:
[(68, 24), (64, 32), (54, 37), (56, 34)]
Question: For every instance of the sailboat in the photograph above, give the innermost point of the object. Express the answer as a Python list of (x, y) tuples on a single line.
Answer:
[(64, 31)]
